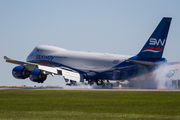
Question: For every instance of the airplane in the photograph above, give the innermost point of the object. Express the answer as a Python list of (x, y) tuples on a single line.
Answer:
[(99, 68)]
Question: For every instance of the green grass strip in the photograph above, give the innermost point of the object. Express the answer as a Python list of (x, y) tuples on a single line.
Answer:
[(89, 105)]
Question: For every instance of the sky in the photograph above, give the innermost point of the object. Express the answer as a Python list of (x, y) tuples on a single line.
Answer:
[(105, 26)]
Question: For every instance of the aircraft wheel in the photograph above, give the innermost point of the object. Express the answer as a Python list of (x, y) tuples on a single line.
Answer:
[(91, 82)]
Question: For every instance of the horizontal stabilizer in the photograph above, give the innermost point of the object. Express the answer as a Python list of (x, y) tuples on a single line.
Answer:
[(143, 63)]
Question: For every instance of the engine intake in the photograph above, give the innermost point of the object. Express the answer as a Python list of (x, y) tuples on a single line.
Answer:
[(20, 72), (37, 76)]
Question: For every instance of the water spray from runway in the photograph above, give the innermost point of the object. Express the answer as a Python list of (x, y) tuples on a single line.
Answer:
[(165, 74), (160, 77), (82, 86)]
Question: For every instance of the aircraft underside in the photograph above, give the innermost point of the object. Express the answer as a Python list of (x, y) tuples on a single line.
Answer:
[(105, 78)]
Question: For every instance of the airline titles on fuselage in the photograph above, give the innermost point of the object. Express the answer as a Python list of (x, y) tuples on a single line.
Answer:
[(44, 57)]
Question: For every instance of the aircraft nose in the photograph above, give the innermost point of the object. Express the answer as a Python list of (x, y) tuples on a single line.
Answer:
[(31, 55)]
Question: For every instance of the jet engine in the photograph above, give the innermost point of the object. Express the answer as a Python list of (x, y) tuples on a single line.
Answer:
[(20, 72), (37, 76)]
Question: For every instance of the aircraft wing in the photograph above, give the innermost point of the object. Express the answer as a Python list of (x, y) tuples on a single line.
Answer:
[(65, 72), (14, 61), (31, 66)]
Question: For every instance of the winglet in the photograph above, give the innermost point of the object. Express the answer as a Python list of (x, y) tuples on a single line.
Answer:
[(6, 58)]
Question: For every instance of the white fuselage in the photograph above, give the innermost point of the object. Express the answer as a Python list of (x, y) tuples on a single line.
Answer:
[(59, 57)]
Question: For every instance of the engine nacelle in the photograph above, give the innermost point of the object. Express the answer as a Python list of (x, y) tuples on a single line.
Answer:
[(164, 60), (20, 72), (37, 76)]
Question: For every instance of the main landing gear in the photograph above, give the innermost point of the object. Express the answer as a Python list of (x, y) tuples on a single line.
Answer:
[(70, 83), (97, 84), (101, 84)]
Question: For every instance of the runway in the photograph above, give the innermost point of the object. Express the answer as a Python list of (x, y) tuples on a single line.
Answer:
[(127, 89), (92, 89)]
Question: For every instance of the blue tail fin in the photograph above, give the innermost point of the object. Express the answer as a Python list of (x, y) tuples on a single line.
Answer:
[(154, 47)]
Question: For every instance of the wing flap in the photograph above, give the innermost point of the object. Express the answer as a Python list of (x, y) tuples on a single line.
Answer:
[(47, 68), (71, 74)]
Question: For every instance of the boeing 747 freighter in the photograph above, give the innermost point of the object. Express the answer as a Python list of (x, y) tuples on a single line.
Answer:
[(76, 66)]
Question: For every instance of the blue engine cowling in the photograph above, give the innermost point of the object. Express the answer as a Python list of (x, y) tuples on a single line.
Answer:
[(20, 72), (164, 60), (37, 76)]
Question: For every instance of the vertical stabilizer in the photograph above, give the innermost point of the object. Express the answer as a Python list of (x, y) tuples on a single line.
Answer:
[(154, 47)]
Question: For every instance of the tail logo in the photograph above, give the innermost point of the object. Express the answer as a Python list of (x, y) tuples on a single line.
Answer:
[(153, 41)]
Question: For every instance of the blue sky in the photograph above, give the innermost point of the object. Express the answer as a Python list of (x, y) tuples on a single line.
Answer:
[(107, 26)]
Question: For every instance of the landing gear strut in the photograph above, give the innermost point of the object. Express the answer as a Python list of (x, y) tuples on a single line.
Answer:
[(91, 82), (71, 83)]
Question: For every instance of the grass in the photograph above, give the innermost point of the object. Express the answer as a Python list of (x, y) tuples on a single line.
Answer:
[(89, 105)]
